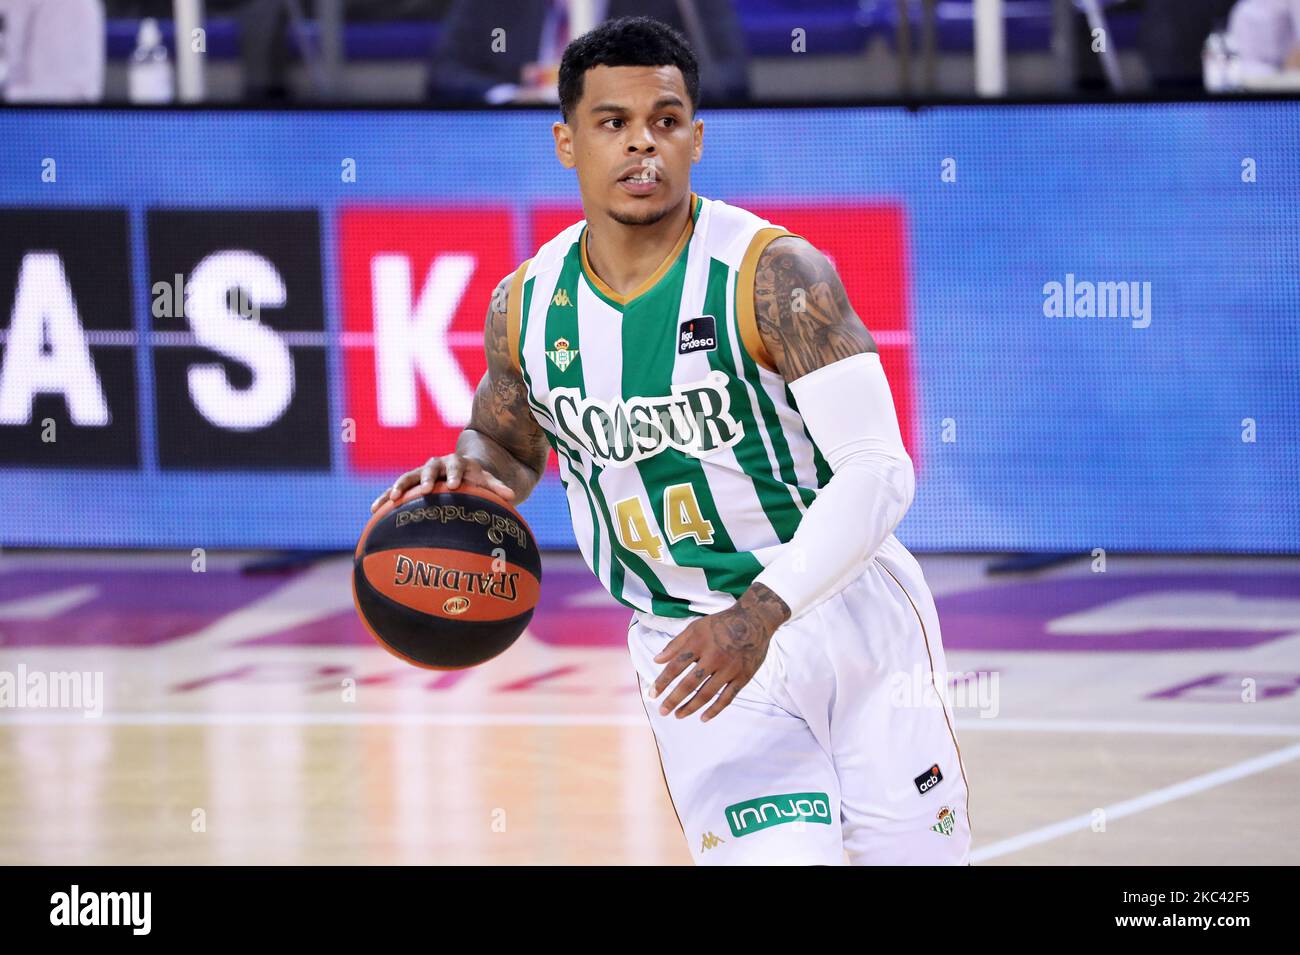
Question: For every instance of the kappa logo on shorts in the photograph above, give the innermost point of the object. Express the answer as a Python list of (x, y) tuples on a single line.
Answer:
[(928, 779), (767, 811), (947, 821), (697, 334), (710, 841)]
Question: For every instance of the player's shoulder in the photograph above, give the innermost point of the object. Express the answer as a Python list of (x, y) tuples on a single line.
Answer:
[(733, 233), (505, 313), (550, 255)]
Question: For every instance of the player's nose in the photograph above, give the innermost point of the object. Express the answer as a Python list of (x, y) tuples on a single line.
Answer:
[(641, 140)]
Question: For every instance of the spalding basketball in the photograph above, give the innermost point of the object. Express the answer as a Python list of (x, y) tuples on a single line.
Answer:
[(446, 580)]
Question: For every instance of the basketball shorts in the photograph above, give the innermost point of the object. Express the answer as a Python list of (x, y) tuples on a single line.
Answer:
[(830, 752)]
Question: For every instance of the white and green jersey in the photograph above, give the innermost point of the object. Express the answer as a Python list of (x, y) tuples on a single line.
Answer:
[(685, 460)]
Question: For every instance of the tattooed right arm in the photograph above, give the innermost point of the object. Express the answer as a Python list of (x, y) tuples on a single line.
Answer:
[(503, 448), (502, 433)]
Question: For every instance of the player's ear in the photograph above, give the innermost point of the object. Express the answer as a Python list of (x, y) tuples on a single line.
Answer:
[(563, 144), (698, 146)]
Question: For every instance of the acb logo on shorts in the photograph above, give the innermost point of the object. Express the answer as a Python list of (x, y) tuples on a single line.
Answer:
[(928, 779)]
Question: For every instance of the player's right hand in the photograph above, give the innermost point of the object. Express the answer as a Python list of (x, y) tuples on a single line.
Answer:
[(455, 468)]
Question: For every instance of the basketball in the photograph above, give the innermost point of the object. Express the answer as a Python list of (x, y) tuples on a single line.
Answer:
[(446, 580)]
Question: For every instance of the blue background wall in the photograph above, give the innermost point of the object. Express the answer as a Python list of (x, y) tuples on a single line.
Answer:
[(1070, 432)]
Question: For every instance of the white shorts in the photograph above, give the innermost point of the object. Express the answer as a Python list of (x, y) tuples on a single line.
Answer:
[(825, 752)]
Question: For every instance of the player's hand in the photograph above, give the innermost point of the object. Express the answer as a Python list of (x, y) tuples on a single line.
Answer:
[(455, 468), (726, 648)]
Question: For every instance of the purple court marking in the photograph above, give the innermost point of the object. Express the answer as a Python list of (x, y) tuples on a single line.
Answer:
[(576, 611), (341, 629), (1228, 688), (556, 623), (1016, 616), (126, 608), (147, 607)]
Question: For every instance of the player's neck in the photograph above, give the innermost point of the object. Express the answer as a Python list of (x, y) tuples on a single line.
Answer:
[(625, 256)]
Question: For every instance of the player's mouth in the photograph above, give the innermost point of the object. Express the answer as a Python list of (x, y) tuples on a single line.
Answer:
[(641, 181)]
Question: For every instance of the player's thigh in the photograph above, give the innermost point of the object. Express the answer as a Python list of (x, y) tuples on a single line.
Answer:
[(903, 787), (906, 802), (752, 785)]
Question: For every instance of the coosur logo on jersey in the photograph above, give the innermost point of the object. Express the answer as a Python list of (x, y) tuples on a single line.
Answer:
[(416, 286), (696, 418)]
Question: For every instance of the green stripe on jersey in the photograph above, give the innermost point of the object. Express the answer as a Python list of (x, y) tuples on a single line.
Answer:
[(772, 424), (562, 323), (753, 457), (649, 357), (562, 450)]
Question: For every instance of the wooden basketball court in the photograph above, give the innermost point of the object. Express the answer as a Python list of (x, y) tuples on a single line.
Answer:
[(1147, 714)]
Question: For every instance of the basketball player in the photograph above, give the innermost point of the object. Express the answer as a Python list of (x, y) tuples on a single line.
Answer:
[(734, 471)]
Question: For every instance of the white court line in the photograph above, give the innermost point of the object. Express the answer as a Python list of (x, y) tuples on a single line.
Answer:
[(1128, 726), (70, 717), (74, 718), (1156, 797)]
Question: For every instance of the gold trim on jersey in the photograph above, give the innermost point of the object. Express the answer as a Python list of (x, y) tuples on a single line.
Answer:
[(513, 314), (745, 317), (655, 276)]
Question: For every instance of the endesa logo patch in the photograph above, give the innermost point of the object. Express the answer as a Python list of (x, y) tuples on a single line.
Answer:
[(697, 334)]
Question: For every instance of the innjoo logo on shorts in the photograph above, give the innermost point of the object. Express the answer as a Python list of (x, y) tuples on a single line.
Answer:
[(766, 811)]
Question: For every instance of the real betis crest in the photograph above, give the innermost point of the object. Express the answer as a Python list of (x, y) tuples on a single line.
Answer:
[(562, 355), (946, 822)]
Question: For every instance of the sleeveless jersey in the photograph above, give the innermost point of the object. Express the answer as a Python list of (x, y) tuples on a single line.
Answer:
[(685, 460)]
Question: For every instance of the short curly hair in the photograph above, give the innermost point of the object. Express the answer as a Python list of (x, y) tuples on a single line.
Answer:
[(627, 41)]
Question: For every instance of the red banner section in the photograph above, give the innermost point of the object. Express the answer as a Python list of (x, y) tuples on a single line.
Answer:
[(416, 284)]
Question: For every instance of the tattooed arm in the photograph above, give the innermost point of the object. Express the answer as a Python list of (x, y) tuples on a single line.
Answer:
[(829, 361), (503, 448), (804, 317), (810, 334), (804, 321), (502, 432)]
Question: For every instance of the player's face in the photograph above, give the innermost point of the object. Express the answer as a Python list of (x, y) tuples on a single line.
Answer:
[(632, 140)]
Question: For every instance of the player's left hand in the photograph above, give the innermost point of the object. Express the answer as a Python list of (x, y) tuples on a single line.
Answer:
[(727, 649)]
